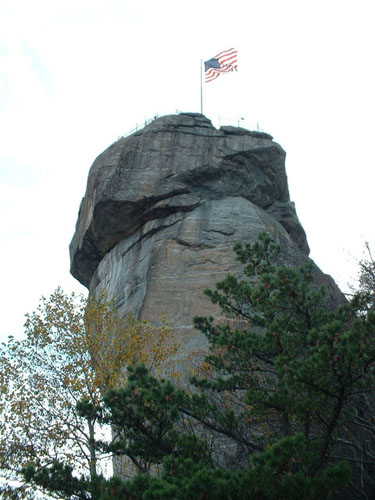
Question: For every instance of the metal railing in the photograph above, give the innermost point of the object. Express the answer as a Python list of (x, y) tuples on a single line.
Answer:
[(217, 121)]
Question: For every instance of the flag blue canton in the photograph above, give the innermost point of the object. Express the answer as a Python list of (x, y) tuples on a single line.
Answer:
[(212, 63)]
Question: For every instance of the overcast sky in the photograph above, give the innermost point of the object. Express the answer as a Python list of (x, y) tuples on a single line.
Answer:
[(75, 75)]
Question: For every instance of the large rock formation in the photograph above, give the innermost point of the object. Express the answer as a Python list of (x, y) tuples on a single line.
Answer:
[(163, 208)]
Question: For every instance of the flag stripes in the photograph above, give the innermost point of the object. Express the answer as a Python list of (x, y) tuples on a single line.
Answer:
[(222, 63)]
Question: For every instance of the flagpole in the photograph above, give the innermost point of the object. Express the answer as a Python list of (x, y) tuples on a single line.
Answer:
[(201, 89)]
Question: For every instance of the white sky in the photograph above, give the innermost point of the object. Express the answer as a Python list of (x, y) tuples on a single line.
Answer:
[(75, 75)]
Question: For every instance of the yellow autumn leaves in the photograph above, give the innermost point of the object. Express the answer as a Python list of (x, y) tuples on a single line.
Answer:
[(74, 349)]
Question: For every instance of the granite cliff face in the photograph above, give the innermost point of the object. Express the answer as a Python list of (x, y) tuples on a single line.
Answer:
[(163, 208)]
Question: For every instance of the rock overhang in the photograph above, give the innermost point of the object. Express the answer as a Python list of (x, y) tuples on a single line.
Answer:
[(175, 164)]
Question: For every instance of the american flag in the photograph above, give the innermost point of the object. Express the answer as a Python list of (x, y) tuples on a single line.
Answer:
[(222, 63)]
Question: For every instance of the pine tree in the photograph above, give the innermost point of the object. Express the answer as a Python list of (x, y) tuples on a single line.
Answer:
[(275, 411)]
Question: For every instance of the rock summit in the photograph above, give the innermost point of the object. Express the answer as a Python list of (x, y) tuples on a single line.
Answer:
[(163, 208)]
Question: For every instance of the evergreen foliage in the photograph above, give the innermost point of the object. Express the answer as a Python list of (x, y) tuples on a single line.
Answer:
[(281, 408)]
